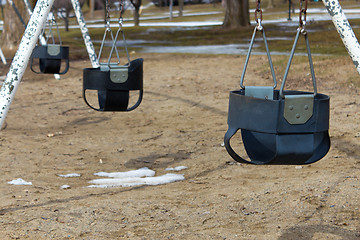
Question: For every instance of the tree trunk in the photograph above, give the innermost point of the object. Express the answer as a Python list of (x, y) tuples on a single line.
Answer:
[(2, 10), (66, 20), (13, 28), (181, 7), (171, 9), (136, 4), (271, 4), (236, 13), (92, 8), (136, 16)]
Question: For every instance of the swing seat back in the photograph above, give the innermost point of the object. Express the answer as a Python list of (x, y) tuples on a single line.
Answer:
[(50, 58), (113, 85), (290, 131)]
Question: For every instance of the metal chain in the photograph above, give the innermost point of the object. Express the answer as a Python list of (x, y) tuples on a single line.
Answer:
[(107, 9), (260, 28), (121, 12), (51, 21), (302, 14), (258, 20), (300, 30)]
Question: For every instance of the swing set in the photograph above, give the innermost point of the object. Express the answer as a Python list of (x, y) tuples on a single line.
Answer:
[(277, 126)]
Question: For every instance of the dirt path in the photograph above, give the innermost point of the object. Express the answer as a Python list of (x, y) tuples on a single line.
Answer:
[(181, 122)]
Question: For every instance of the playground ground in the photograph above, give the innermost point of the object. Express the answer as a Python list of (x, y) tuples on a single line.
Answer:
[(181, 122)]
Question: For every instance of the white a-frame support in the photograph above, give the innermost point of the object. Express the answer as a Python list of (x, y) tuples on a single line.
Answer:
[(22, 56), (2, 56), (345, 31)]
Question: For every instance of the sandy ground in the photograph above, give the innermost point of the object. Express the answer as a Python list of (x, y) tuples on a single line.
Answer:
[(181, 122)]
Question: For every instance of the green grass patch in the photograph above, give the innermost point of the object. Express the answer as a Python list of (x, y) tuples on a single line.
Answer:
[(323, 36)]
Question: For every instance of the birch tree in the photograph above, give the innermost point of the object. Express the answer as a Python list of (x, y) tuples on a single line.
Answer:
[(64, 7)]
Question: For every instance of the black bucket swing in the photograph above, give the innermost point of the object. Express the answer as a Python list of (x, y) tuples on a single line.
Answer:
[(112, 81), (50, 55), (280, 127)]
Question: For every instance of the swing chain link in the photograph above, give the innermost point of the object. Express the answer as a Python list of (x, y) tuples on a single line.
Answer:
[(107, 7), (302, 16), (50, 22), (121, 9), (258, 10), (258, 19)]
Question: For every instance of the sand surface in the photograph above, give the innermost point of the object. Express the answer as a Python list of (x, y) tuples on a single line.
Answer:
[(181, 122)]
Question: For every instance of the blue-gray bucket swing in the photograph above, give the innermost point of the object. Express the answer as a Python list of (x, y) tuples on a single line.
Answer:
[(52, 55), (112, 81), (277, 126)]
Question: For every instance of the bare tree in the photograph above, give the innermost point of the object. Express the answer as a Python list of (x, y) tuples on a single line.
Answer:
[(236, 13), (181, 7), (171, 4), (13, 28), (2, 9), (63, 9), (136, 4)]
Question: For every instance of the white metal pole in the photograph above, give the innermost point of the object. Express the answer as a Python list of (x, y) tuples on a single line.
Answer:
[(22, 56), (85, 33), (3, 59), (30, 11), (345, 31), (41, 37)]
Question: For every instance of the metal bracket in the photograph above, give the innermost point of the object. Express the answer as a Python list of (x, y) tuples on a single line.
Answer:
[(53, 49), (119, 74), (259, 92), (298, 109)]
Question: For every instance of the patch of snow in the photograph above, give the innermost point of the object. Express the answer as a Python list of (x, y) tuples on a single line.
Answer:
[(69, 175), (136, 181), (19, 181), (142, 172), (178, 168)]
